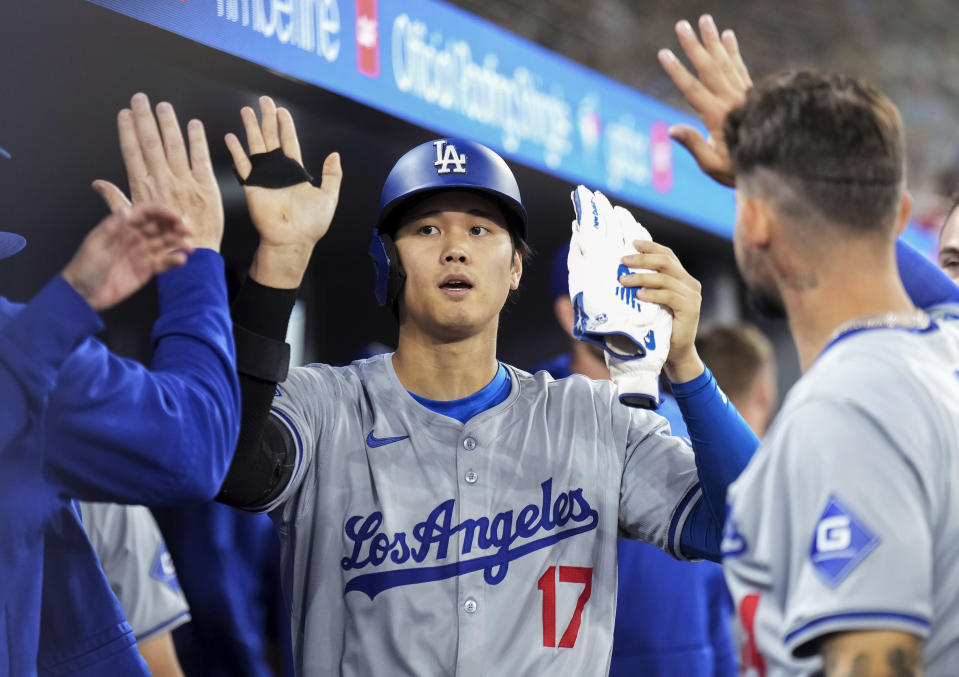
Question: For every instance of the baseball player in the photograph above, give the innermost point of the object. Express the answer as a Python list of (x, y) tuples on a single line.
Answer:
[(141, 574), (441, 512), (949, 241), (79, 421), (841, 537)]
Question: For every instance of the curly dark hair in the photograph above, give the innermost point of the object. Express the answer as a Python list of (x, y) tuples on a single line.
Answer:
[(835, 143)]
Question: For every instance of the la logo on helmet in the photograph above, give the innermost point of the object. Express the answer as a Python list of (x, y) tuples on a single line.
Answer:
[(447, 155)]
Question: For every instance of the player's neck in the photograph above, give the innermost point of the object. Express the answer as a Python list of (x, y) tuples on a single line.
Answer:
[(445, 369), (843, 293)]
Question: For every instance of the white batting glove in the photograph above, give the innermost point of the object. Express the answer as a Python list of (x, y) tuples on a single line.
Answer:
[(634, 336)]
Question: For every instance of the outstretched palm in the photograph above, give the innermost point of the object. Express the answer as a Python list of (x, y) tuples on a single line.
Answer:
[(295, 217)]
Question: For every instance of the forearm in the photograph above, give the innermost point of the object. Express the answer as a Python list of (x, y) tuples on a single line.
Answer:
[(722, 441), (118, 431), (263, 461), (280, 267)]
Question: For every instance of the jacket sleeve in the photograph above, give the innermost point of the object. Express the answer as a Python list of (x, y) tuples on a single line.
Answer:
[(35, 340), (115, 430)]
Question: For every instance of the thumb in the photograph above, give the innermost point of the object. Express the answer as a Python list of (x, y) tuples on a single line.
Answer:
[(703, 152), (332, 175), (112, 195)]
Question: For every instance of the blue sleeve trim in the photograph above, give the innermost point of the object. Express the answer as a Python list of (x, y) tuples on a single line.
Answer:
[(925, 283), (858, 615), (169, 624), (679, 517)]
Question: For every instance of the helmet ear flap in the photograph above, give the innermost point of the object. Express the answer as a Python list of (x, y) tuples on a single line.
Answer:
[(388, 273)]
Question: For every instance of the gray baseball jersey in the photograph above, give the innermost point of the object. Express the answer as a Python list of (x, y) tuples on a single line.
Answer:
[(137, 565), (413, 544), (847, 518)]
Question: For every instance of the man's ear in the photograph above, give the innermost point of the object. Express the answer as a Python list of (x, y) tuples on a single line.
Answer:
[(756, 219), (905, 209), (516, 271)]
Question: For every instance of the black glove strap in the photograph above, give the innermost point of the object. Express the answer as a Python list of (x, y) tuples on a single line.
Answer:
[(274, 170)]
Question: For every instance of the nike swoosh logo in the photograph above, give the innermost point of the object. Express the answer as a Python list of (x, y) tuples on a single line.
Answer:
[(374, 441)]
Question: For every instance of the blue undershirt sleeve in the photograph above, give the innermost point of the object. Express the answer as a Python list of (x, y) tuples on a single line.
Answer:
[(723, 444), (925, 283)]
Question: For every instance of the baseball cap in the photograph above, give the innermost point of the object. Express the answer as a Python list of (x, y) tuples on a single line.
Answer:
[(10, 244)]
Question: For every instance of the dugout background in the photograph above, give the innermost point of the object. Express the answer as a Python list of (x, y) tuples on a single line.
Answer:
[(69, 66)]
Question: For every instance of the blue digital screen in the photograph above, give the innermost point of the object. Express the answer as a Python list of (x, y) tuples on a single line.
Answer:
[(441, 68)]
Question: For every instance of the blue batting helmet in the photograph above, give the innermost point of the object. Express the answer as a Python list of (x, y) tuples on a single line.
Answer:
[(443, 164)]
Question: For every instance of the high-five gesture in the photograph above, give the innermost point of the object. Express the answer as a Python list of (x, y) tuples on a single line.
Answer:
[(295, 214), (722, 85), (161, 168), (124, 251)]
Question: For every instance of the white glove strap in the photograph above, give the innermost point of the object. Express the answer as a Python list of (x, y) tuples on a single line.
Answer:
[(636, 388)]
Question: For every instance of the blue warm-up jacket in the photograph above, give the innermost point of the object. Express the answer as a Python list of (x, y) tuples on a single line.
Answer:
[(78, 422)]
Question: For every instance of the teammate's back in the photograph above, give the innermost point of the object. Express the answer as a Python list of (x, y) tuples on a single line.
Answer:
[(876, 535)]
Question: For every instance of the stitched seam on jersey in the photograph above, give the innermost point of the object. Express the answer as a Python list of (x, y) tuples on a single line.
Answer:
[(853, 615), (169, 624), (675, 535)]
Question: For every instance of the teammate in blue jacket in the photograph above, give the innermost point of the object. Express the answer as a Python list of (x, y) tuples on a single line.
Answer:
[(78, 421)]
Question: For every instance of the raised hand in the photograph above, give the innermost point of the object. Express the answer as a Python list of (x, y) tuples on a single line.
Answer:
[(291, 219), (671, 286), (125, 250), (722, 85), (161, 168)]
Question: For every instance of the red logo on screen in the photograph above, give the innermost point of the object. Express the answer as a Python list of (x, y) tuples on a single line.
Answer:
[(367, 38), (661, 157)]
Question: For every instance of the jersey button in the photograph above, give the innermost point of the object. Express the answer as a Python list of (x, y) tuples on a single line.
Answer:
[(469, 444), (470, 606), (471, 477)]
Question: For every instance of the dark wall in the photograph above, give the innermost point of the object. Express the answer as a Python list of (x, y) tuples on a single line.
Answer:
[(69, 66)]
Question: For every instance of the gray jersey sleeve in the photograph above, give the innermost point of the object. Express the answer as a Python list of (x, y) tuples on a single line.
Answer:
[(660, 484), (854, 513), (137, 565), (303, 404)]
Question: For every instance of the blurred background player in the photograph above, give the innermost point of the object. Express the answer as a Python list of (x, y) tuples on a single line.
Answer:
[(228, 566), (949, 241), (672, 617), (741, 358), (141, 574)]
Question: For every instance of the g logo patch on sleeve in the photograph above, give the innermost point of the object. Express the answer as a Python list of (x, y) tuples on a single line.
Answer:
[(840, 542)]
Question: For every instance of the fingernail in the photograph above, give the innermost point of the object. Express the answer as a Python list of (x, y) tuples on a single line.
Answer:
[(684, 27), (707, 21), (666, 55), (677, 134), (139, 97)]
